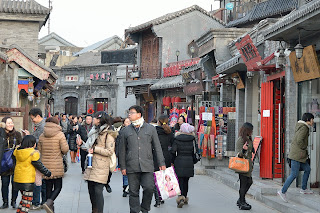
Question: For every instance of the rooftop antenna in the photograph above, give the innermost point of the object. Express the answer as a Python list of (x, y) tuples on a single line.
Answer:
[(50, 8)]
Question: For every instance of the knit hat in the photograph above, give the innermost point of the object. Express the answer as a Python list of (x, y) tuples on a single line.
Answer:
[(186, 128)]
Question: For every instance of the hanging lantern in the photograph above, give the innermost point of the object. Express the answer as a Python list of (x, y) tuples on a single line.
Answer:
[(168, 101), (164, 101), (177, 99), (173, 99)]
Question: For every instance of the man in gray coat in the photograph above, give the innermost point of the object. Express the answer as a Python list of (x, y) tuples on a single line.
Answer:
[(136, 159)]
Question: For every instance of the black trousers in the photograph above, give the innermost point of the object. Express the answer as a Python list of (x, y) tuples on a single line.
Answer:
[(96, 195), (146, 180), (245, 183), (53, 188), (184, 185), (83, 155)]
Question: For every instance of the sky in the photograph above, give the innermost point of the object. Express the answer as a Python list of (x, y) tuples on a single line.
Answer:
[(85, 22)]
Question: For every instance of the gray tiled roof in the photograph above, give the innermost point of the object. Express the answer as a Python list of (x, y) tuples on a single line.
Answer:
[(171, 16), (87, 59), (305, 10), (14, 46), (266, 9), (57, 37), (167, 83), (24, 6)]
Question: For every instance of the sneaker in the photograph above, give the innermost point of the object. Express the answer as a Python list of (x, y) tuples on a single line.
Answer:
[(34, 207), (306, 191), (283, 196)]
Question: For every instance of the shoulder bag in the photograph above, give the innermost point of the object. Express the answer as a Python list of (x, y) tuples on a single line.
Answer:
[(240, 165), (196, 154), (7, 160)]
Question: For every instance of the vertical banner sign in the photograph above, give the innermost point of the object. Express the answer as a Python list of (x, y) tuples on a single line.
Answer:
[(249, 53), (256, 145)]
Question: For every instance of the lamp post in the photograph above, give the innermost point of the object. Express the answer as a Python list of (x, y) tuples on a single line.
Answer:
[(299, 47), (177, 54), (192, 49)]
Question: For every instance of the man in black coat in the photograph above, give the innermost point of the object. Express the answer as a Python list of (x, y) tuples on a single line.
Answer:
[(136, 159)]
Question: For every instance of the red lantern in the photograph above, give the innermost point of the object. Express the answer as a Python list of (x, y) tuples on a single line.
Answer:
[(164, 101), (168, 101), (173, 99), (177, 99)]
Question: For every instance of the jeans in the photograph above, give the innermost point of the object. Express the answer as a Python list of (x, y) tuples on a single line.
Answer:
[(146, 180), (37, 191), (184, 185), (5, 182), (53, 188), (96, 195), (125, 180), (245, 184), (295, 167)]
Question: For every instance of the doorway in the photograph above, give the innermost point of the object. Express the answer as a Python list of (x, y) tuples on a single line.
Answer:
[(71, 105)]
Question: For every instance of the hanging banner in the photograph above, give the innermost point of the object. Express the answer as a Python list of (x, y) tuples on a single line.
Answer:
[(307, 67)]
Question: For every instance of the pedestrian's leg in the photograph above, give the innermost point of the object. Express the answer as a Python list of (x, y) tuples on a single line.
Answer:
[(83, 156), (125, 185), (36, 195), (5, 180), (156, 197), (306, 168), (295, 166), (134, 186), (147, 183), (49, 187), (71, 156), (57, 185), (186, 186), (43, 192), (91, 189), (108, 187), (26, 202), (14, 194), (249, 183), (243, 187), (181, 184), (98, 188)]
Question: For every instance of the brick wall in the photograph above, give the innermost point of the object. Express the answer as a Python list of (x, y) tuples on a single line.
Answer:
[(24, 34)]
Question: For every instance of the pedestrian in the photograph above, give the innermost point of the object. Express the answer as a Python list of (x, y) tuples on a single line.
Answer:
[(56, 115), (166, 139), (28, 160), (181, 121), (136, 159), (182, 157), (101, 144), (2, 140), (125, 184), (73, 130), (298, 155), (64, 124), (52, 146), (35, 114), (83, 153), (12, 139), (80, 120), (244, 148)]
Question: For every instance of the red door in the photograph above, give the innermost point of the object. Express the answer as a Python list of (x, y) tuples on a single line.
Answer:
[(266, 130)]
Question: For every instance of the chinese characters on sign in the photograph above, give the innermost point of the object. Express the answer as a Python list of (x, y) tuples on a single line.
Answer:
[(71, 78), (249, 53), (101, 76)]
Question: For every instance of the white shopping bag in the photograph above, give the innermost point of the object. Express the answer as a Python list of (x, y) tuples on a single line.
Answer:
[(167, 183)]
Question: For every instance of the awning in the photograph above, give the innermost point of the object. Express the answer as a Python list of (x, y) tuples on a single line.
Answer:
[(140, 82), (175, 68), (167, 83), (306, 17), (231, 66)]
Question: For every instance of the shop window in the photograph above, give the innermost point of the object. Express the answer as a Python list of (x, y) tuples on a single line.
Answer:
[(309, 97)]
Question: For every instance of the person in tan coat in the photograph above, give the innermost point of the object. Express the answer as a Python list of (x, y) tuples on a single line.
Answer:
[(52, 146), (100, 143)]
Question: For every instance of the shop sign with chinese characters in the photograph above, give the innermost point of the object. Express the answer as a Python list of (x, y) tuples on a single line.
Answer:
[(101, 76), (72, 78), (307, 67)]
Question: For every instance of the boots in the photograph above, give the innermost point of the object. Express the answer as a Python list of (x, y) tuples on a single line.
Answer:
[(125, 191), (238, 203), (180, 201), (13, 204), (94, 210), (186, 201), (48, 206), (5, 205)]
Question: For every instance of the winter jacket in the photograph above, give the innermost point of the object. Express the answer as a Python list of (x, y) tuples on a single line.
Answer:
[(64, 126), (182, 154), (118, 141), (166, 141), (136, 149), (9, 144), (52, 146), (28, 160), (73, 135), (299, 145), (247, 154), (103, 148)]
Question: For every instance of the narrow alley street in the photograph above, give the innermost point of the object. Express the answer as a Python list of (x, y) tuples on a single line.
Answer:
[(206, 195)]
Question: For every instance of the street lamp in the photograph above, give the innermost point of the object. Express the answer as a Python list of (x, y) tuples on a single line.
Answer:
[(177, 54), (299, 48), (192, 49)]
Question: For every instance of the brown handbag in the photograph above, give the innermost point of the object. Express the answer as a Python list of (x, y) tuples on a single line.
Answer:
[(240, 165)]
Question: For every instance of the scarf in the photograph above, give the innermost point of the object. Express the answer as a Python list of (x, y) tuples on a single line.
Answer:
[(138, 122), (92, 136)]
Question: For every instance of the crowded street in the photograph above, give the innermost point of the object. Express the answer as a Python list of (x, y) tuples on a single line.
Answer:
[(206, 195)]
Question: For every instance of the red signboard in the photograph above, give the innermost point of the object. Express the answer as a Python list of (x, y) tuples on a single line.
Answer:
[(174, 68), (193, 89), (249, 53), (256, 144)]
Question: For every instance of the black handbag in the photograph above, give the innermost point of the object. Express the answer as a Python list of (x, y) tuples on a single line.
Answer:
[(196, 154), (65, 163)]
